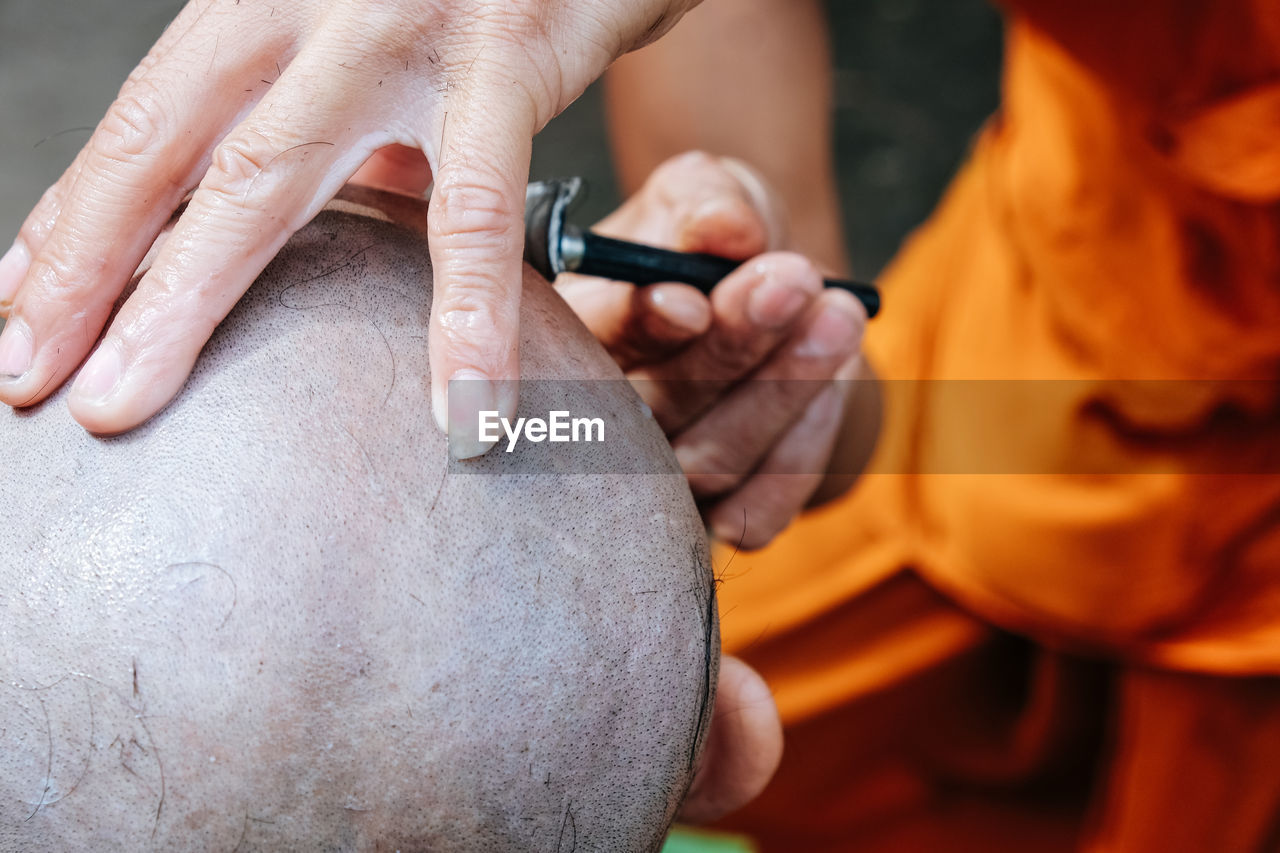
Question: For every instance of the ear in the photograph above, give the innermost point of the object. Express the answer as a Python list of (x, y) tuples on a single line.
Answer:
[(743, 746)]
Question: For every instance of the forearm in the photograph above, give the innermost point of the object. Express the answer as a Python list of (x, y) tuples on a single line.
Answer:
[(742, 78)]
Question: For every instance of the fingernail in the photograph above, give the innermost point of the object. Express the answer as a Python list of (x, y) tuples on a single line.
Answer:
[(776, 301), (472, 398), (712, 221), (13, 269), (100, 376), (834, 332), (16, 350), (682, 310)]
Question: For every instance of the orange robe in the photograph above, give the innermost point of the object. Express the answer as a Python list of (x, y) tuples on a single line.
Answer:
[(1049, 619)]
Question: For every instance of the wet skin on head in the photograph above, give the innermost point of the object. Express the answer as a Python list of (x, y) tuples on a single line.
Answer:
[(273, 618)]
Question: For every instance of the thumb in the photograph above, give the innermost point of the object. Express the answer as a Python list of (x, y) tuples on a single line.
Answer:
[(766, 222), (744, 745), (698, 202), (475, 225)]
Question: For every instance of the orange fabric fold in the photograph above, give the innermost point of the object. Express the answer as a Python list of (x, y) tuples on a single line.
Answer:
[(1116, 231)]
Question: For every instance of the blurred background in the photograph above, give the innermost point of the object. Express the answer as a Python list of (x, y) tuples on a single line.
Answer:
[(914, 80)]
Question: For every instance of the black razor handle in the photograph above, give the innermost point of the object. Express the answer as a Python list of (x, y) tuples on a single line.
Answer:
[(622, 260)]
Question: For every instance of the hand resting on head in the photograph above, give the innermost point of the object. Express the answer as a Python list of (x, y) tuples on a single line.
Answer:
[(278, 617)]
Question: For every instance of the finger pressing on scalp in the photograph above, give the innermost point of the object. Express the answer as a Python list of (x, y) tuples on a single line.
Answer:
[(40, 223), (754, 309), (475, 224), (760, 508), (145, 155), (32, 235), (267, 178), (637, 325), (757, 412), (743, 747)]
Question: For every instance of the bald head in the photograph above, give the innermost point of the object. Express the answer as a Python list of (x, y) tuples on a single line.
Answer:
[(276, 616)]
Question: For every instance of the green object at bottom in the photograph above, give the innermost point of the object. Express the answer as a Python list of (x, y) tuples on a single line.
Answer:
[(685, 840)]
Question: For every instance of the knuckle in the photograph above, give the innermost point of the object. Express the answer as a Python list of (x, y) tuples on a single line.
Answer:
[(50, 270), (468, 309), (385, 28), (496, 23), (376, 35), (239, 161), (476, 322), (487, 351), (134, 126), (473, 217), (54, 275), (40, 223)]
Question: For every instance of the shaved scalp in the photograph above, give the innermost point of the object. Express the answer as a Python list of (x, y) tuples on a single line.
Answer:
[(276, 617)]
